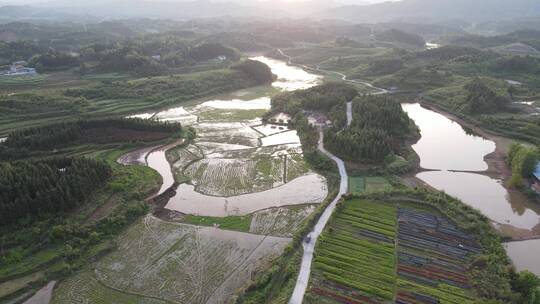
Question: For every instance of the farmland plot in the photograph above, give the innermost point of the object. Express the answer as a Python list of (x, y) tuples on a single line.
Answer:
[(361, 184), (433, 258), (225, 115), (229, 177), (85, 288), (287, 137), (375, 252), (232, 133), (280, 221), (355, 257), (178, 263), (238, 172), (182, 157)]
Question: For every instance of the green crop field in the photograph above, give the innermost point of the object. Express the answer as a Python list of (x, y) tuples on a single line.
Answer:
[(357, 252), (21, 80), (360, 184), (377, 252)]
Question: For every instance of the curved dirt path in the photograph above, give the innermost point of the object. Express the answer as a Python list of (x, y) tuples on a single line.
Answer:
[(309, 242)]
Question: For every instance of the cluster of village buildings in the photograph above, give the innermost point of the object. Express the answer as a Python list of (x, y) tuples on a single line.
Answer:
[(19, 68)]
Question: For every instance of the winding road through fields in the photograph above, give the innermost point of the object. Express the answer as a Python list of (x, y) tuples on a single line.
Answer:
[(309, 242)]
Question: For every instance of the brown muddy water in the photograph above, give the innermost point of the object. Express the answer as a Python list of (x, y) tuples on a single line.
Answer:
[(445, 146), (157, 161), (218, 138), (525, 255), (188, 201)]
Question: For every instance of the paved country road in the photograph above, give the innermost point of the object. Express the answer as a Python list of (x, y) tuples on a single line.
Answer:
[(310, 241)]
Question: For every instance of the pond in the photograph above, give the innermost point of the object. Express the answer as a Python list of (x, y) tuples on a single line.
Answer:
[(525, 255), (447, 147)]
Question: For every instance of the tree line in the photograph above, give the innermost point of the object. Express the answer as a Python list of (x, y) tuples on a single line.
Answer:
[(61, 134), (32, 189)]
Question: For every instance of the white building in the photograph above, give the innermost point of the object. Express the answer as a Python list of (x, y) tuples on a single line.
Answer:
[(19, 69)]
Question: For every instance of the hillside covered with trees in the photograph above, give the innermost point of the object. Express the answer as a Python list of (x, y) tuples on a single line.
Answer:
[(23, 143), (379, 129), (39, 189)]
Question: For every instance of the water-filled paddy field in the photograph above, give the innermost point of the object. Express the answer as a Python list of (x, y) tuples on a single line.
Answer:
[(240, 173), (238, 165)]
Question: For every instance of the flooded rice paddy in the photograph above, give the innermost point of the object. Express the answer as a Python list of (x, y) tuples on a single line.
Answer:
[(307, 189), (446, 146), (241, 165), (173, 263)]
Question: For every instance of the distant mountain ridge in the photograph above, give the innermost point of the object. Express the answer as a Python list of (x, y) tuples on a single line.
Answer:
[(425, 11), (436, 10)]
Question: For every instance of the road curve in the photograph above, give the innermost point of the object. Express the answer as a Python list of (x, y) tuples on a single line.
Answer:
[(309, 242)]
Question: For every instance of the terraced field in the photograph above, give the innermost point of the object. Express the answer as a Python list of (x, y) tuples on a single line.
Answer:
[(21, 80), (158, 262), (376, 252)]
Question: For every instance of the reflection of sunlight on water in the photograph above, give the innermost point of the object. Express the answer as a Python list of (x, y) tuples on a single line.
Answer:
[(177, 114), (290, 78), (143, 115), (262, 103), (431, 45)]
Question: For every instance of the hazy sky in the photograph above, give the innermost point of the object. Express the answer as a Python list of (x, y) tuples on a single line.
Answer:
[(82, 1)]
